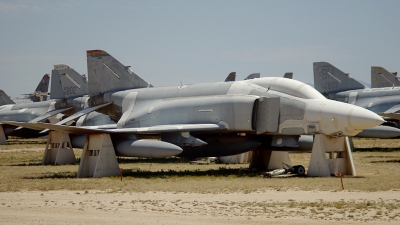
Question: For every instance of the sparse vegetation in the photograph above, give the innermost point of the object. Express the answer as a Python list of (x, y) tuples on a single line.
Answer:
[(21, 167)]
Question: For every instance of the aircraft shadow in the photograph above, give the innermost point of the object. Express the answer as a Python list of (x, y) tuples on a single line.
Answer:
[(163, 174)]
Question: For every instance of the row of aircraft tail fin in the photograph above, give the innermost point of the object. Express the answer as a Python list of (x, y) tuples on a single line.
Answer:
[(67, 83), (41, 91), (328, 79), (232, 76), (5, 99), (381, 78)]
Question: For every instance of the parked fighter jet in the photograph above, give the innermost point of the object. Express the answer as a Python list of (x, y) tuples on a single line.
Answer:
[(214, 119), (339, 86), (68, 90), (40, 94), (381, 78)]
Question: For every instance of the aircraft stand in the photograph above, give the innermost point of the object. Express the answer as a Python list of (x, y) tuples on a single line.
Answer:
[(3, 139), (98, 157), (58, 149), (268, 160), (340, 159)]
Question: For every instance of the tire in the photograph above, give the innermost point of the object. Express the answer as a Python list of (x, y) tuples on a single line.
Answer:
[(300, 170)]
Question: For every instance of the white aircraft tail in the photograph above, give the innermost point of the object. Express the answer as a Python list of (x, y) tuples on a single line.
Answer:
[(67, 83), (329, 79), (5, 99), (380, 78), (108, 74)]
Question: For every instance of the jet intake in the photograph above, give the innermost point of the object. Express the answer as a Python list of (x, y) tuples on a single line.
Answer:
[(266, 114)]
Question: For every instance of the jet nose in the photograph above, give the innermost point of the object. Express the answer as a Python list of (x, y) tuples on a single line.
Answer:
[(360, 118)]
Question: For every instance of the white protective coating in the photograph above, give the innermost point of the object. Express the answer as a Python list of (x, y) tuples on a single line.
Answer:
[(334, 118), (288, 86)]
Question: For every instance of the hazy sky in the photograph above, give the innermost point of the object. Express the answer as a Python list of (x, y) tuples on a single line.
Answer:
[(168, 42)]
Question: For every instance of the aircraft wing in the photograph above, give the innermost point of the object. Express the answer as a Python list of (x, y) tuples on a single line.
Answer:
[(106, 128)]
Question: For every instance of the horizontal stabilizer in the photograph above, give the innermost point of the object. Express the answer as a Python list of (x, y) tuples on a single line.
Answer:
[(105, 129), (392, 112), (46, 115), (79, 114), (395, 116), (49, 114)]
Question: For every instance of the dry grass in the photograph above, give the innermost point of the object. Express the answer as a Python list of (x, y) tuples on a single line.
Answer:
[(21, 169)]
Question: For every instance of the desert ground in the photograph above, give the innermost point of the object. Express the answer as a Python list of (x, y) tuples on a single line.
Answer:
[(172, 191)]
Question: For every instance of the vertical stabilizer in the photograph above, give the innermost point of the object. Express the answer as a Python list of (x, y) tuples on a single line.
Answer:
[(41, 91), (231, 77), (252, 76), (380, 78), (329, 79), (43, 85), (288, 75), (5, 99), (67, 83), (108, 74)]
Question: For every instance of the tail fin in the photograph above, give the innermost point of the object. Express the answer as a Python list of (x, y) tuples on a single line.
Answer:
[(231, 77), (329, 79), (380, 78), (108, 74), (252, 76), (41, 91), (5, 99), (288, 75), (67, 83)]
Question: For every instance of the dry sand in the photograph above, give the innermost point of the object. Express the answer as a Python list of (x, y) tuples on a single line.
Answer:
[(269, 206), (265, 206)]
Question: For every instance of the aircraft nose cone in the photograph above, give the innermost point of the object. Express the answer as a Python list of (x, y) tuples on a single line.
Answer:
[(360, 118)]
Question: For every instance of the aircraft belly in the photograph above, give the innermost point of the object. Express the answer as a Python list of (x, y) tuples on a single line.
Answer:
[(220, 146)]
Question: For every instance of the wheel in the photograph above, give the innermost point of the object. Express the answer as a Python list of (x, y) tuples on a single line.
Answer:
[(299, 170)]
